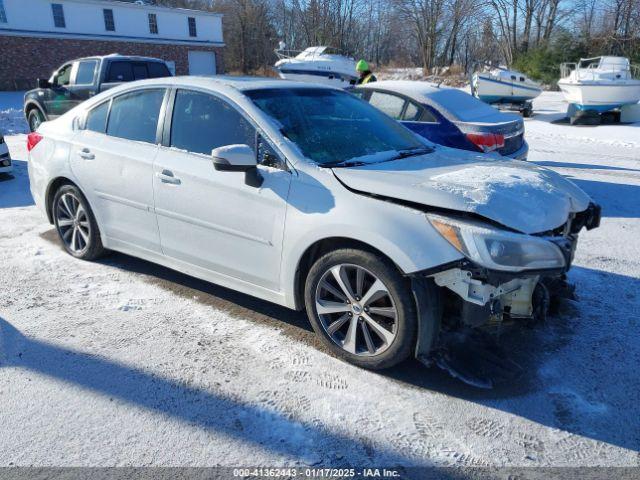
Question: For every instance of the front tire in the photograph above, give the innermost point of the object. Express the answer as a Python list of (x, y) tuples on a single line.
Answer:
[(362, 308), (76, 224), (35, 119)]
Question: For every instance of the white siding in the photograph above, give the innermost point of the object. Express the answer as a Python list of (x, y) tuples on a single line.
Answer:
[(85, 18)]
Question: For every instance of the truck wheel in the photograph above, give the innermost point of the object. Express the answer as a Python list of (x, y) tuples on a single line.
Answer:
[(35, 119), (362, 308)]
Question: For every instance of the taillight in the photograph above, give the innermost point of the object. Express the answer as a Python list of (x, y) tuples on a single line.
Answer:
[(32, 140), (487, 142)]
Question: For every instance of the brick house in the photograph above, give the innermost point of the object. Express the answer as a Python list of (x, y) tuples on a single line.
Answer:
[(37, 36)]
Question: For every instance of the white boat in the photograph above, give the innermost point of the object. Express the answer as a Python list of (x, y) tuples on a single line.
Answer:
[(601, 83), (500, 85), (317, 65)]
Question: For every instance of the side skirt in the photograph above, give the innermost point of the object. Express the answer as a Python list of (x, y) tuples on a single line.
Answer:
[(197, 272)]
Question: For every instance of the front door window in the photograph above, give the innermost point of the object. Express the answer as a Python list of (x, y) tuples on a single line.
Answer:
[(63, 77), (202, 122)]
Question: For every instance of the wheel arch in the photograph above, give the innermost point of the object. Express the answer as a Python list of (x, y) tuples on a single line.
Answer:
[(50, 193), (318, 249), (30, 105)]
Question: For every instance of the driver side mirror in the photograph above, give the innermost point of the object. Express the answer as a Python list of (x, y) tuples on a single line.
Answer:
[(44, 83), (238, 158)]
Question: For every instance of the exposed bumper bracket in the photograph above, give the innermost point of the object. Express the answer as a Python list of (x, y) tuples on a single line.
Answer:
[(471, 289)]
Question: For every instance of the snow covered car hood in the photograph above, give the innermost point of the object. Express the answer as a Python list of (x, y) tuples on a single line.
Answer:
[(518, 195)]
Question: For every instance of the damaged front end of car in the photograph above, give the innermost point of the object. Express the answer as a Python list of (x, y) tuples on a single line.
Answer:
[(505, 277)]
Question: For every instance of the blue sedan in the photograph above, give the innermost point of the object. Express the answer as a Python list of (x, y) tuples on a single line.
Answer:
[(449, 116)]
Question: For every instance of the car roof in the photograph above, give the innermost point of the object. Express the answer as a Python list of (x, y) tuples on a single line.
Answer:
[(454, 104), (116, 56), (240, 83), (411, 88), (230, 86)]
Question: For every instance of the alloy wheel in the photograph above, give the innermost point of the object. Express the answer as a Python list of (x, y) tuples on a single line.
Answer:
[(356, 310), (73, 223)]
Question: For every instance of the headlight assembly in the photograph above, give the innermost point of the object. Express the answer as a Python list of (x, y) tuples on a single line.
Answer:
[(498, 249)]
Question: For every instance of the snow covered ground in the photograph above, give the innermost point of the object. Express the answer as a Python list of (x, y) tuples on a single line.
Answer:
[(11, 117), (122, 362)]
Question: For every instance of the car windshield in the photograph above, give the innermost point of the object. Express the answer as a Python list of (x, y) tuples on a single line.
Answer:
[(332, 127)]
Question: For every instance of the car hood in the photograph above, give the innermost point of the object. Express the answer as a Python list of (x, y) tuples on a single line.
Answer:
[(521, 196)]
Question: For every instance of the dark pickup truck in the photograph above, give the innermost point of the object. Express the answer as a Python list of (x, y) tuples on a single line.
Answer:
[(78, 80)]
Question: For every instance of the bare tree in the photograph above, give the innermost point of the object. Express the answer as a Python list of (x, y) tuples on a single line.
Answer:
[(425, 17), (430, 33)]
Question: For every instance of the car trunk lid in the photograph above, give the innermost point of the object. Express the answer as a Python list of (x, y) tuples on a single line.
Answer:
[(507, 131)]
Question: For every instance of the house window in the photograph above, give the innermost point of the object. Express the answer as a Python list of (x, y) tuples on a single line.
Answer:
[(192, 27), (3, 14), (109, 24), (153, 23), (58, 15)]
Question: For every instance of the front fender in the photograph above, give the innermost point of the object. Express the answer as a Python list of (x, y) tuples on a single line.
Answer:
[(316, 213)]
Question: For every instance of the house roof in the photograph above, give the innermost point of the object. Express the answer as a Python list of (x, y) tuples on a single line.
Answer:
[(145, 7)]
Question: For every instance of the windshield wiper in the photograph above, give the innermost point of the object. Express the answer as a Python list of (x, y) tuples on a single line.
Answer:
[(343, 163), (412, 152)]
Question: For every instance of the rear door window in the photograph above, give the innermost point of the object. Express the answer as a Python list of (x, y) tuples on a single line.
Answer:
[(134, 116), (86, 72), (202, 122), (390, 104), (120, 72)]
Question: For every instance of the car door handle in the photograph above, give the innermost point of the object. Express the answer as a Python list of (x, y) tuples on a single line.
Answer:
[(86, 154), (166, 176)]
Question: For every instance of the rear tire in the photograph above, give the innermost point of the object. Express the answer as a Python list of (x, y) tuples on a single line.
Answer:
[(76, 224), (367, 311), (35, 119)]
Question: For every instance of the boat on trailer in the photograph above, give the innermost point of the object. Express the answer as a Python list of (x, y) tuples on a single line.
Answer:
[(600, 84), (324, 65), (501, 85)]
